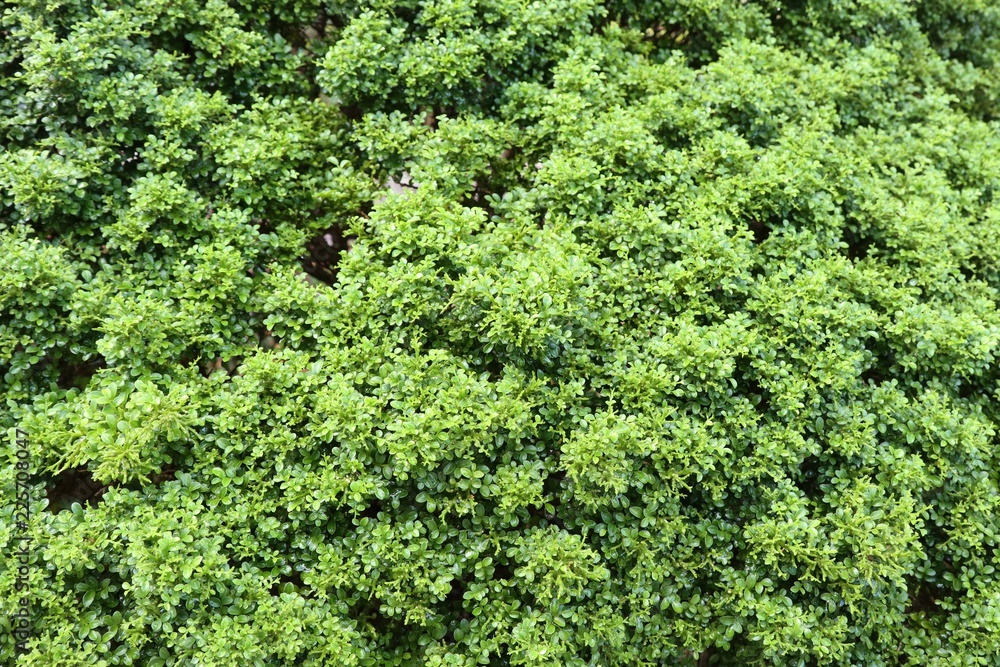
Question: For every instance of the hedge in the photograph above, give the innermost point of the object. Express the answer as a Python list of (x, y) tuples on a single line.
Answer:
[(496, 332)]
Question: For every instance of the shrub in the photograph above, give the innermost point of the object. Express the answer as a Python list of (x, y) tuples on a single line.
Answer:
[(673, 341)]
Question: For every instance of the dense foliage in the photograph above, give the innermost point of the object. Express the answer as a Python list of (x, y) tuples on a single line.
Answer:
[(679, 347)]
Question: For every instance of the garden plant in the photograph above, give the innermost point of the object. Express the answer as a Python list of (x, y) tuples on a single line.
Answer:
[(499, 332)]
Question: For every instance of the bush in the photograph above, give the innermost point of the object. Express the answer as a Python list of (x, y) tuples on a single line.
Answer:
[(502, 333)]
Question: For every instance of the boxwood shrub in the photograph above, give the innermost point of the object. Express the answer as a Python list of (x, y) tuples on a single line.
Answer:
[(490, 332)]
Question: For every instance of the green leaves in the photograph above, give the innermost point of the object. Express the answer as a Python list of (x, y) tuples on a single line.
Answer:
[(446, 53), (648, 333)]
